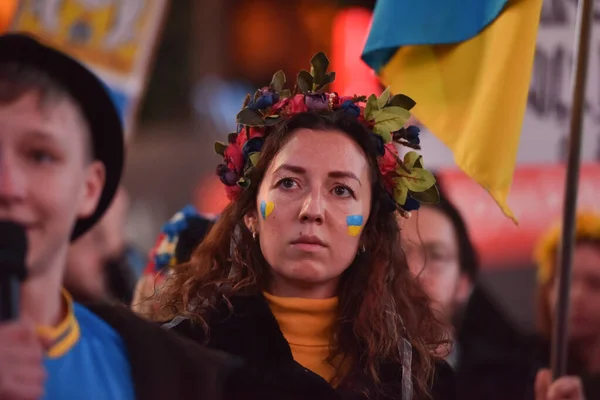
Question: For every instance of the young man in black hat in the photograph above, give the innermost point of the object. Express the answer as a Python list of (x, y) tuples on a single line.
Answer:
[(61, 158)]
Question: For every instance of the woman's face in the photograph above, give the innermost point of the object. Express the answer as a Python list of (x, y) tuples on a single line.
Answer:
[(584, 315), (312, 204), (431, 247)]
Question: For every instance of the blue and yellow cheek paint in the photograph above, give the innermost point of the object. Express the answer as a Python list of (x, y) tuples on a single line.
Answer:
[(266, 208), (355, 224)]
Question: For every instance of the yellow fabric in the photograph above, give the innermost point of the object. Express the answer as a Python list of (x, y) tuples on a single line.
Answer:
[(307, 325), (63, 336), (473, 95), (587, 226)]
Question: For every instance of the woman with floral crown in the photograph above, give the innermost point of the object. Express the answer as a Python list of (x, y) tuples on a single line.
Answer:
[(302, 276)]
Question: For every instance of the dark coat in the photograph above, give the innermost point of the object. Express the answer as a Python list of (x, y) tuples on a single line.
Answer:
[(165, 365), (270, 372), (496, 362)]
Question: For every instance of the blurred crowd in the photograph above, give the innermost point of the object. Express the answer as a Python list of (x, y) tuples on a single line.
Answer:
[(493, 358), (490, 355)]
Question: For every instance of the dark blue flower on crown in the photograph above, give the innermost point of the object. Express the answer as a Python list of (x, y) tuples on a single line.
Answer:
[(253, 145), (350, 108), (378, 144), (268, 97), (317, 101), (411, 204), (412, 134), (228, 176)]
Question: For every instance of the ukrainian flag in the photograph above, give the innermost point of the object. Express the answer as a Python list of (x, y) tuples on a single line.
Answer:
[(467, 64)]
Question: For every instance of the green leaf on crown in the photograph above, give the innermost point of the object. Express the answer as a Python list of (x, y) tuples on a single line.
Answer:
[(412, 159), (220, 148), (272, 120), (400, 191), (250, 117), (418, 180), (278, 81), (429, 196), (243, 182), (285, 93), (402, 101), (385, 134), (254, 158), (246, 100), (318, 69), (371, 108), (384, 98), (305, 81), (389, 120), (329, 78)]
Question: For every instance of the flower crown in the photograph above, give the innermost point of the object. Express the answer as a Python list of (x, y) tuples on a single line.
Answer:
[(587, 226), (406, 181)]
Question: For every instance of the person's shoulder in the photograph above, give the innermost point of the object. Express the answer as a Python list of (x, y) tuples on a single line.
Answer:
[(185, 327), (91, 325), (444, 382), (138, 332), (165, 358)]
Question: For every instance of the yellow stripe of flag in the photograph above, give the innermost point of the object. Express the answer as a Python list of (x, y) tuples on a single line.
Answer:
[(473, 95)]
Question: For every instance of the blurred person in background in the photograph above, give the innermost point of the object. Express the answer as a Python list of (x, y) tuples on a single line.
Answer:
[(488, 353), (175, 244), (584, 316), (101, 265)]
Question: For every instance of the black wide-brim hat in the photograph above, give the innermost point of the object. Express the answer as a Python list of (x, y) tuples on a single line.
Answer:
[(93, 99)]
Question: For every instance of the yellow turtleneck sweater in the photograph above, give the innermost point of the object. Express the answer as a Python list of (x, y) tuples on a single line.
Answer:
[(307, 325)]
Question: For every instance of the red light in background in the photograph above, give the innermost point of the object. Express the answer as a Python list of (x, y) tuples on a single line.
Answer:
[(353, 76)]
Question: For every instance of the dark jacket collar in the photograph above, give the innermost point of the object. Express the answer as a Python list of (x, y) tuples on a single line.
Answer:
[(252, 333), (164, 365)]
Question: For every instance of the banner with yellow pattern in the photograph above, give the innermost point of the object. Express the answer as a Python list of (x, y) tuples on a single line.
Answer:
[(115, 38)]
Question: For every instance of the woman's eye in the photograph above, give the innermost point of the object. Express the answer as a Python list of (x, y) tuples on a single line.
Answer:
[(343, 191), (287, 183)]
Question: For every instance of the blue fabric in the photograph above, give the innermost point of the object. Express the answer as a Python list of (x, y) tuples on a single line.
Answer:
[(398, 23), (95, 368), (119, 98), (121, 101)]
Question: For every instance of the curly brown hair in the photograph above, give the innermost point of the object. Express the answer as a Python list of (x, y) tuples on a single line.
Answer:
[(379, 300)]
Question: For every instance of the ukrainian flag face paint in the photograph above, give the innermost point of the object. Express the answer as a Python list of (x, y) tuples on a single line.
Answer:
[(355, 223), (266, 208)]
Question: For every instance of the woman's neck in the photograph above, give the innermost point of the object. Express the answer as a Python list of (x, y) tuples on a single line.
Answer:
[(282, 287)]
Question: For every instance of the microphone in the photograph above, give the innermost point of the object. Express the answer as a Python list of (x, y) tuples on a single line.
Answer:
[(13, 251)]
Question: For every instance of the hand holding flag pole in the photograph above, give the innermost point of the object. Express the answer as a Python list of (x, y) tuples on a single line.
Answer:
[(578, 86)]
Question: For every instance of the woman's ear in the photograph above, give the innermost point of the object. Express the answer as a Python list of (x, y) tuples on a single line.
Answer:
[(251, 222)]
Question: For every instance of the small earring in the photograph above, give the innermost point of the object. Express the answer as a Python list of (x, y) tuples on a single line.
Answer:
[(361, 249), (254, 235)]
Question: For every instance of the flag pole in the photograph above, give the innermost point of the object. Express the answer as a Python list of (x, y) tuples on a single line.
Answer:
[(578, 86)]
